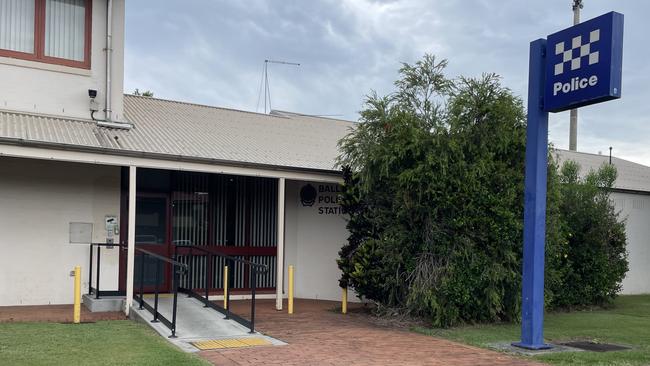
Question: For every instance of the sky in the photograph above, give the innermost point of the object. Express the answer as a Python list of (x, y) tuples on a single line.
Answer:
[(213, 52)]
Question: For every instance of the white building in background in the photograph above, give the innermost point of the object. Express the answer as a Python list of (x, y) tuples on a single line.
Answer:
[(147, 174), (631, 197)]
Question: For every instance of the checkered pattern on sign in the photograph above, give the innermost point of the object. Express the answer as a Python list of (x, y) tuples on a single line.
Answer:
[(578, 53)]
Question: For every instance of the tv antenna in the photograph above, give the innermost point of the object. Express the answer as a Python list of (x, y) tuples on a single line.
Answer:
[(265, 83)]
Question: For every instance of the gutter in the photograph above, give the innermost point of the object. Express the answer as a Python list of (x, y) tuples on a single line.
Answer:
[(629, 191), (162, 156)]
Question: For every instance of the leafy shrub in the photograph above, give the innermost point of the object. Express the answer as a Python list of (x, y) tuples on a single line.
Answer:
[(434, 192), (595, 257)]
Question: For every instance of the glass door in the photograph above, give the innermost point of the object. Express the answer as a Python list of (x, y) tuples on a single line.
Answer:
[(152, 234)]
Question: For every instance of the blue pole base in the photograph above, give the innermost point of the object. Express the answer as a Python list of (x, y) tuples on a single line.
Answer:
[(534, 347)]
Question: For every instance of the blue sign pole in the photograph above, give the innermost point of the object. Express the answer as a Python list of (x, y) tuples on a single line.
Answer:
[(574, 67), (532, 322)]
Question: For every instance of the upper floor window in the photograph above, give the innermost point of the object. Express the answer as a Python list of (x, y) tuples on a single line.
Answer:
[(52, 31)]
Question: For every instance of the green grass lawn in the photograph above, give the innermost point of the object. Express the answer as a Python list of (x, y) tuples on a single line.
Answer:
[(627, 323), (120, 342)]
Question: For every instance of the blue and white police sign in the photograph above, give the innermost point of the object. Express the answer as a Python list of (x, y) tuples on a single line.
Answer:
[(575, 67), (584, 63)]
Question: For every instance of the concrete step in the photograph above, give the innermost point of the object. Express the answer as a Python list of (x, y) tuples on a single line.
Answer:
[(105, 303)]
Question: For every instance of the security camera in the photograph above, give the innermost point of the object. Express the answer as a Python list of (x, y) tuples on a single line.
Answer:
[(94, 106)]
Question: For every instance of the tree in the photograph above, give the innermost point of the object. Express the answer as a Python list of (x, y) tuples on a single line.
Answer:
[(146, 93), (433, 186), (595, 257)]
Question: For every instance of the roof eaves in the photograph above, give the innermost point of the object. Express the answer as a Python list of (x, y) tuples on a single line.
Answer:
[(162, 156)]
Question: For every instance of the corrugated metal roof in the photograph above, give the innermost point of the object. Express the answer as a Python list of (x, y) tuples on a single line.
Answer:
[(631, 176), (281, 139), (194, 131)]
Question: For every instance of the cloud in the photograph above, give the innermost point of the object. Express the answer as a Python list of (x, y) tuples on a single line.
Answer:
[(212, 52)]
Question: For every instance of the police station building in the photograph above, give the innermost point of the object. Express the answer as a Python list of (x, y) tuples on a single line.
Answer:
[(90, 176), (82, 163)]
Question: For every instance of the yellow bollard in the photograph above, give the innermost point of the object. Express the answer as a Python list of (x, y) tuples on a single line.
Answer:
[(77, 295), (344, 300), (225, 287), (290, 290)]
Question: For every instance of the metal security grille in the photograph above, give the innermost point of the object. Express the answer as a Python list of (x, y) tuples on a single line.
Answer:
[(196, 271), (190, 221), (267, 279), (263, 213), (239, 275), (234, 215), (240, 193), (218, 209)]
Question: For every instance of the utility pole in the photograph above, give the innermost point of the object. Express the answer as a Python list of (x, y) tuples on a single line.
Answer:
[(610, 155), (573, 125)]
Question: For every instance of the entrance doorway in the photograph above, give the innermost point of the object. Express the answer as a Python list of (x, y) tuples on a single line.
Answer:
[(152, 234), (232, 215)]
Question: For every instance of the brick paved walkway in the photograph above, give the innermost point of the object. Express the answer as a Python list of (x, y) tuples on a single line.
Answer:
[(52, 314), (318, 336)]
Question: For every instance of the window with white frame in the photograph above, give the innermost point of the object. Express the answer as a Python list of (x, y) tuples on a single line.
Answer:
[(51, 31)]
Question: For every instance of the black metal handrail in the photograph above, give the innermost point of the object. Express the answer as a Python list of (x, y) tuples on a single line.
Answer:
[(178, 268), (255, 270), (96, 290)]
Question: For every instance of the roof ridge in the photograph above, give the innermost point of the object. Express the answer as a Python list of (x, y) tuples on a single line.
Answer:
[(602, 156), (598, 155), (203, 105)]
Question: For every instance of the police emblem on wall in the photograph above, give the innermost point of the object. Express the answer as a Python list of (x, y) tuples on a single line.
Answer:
[(322, 197), (308, 195)]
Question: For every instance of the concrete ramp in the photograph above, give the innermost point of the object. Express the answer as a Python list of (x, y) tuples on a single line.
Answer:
[(196, 323)]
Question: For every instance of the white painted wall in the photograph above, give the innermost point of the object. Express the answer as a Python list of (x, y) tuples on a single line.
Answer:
[(636, 209), (63, 91), (38, 200), (312, 242)]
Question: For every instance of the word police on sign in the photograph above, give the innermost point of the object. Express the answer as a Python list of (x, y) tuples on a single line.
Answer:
[(584, 63)]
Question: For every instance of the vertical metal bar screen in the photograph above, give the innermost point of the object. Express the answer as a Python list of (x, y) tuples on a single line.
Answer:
[(233, 214)]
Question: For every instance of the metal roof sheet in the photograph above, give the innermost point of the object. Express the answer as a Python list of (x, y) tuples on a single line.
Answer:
[(281, 139), (188, 130), (631, 176)]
